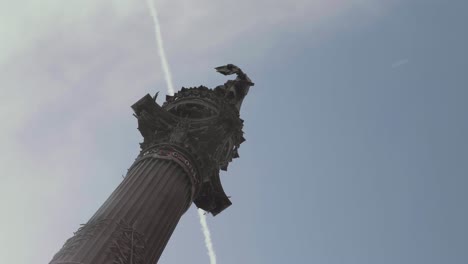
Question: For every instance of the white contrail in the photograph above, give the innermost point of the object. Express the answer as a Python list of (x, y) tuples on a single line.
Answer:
[(206, 233), (159, 41), (170, 91)]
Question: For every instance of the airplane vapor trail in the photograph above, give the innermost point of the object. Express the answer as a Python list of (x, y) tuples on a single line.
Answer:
[(206, 233), (170, 91), (162, 53)]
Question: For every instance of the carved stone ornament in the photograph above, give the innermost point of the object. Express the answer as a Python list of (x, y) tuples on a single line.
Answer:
[(80, 237), (203, 127), (128, 245)]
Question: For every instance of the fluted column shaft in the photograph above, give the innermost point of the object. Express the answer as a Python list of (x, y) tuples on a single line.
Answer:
[(135, 223)]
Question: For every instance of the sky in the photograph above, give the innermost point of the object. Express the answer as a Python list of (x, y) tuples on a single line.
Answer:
[(356, 127)]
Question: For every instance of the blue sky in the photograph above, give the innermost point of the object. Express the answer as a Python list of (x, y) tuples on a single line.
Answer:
[(356, 128)]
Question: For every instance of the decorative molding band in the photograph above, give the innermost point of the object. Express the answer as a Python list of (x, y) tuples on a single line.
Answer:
[(177, 155)]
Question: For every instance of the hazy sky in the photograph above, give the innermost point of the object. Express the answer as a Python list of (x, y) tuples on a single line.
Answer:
[(356, 129)]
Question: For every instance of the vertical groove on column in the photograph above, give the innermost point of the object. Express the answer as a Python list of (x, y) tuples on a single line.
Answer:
[(147, 201), (169, 226), (117, 202), (153, 178), (153, 206), (162, 221), (150, 201), (86, 246), (126, 181)]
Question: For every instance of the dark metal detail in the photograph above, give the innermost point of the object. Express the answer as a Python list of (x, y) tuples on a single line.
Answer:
[(201, 124), (179, 156), (128, 245), (85, 232)]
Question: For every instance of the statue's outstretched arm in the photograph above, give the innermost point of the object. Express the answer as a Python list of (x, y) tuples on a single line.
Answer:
[(233, 69)]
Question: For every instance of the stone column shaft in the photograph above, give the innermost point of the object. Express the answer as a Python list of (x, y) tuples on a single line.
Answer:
[(136, 221)]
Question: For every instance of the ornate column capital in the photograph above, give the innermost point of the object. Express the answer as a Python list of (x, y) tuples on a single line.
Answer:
[(200, 129)]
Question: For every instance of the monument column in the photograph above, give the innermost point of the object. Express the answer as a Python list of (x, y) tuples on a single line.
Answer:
[(150, 200), (187, 140)]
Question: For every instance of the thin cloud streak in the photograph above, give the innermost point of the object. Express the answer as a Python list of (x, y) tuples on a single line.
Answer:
[(170, 90), (206, 233), (400, 63), (162, 53)]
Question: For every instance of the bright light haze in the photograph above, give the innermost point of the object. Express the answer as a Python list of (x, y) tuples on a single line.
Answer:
[(356, 127)]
